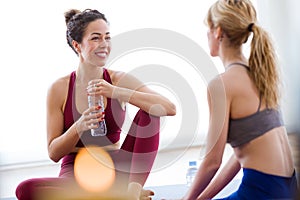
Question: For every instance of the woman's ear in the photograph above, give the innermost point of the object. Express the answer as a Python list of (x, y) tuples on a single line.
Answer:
[(76, 46), (218, 33)]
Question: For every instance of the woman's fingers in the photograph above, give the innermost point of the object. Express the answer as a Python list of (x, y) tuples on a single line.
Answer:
[(146, 194)]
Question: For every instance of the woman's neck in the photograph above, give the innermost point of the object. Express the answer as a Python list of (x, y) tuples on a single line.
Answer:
[(85, 73), (231, 55), (228, 63)]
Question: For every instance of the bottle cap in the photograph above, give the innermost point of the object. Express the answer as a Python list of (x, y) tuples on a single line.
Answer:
[(192, 163)]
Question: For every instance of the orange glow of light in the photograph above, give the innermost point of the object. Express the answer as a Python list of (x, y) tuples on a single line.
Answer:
[(94, 169)]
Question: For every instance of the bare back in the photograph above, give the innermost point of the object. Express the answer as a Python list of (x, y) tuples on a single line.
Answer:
[(270, 152)]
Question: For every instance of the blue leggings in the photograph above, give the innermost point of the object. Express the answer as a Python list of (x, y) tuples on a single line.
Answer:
[(256, 185)]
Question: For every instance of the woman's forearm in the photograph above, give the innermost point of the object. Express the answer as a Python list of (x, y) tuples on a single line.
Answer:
[(151, 103), (205, 173), (228, 172), (64, 144)]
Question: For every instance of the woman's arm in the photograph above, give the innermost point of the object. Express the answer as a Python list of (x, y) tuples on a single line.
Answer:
[(61, 143), (129, 89), (133, 91), (216, 138), (58, 144), (227, 173)]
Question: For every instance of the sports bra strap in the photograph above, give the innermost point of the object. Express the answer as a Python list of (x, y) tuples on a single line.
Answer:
[(238, 63), (259, 103)]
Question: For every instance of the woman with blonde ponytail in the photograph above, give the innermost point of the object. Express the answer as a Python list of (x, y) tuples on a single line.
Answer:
[(244, 112)]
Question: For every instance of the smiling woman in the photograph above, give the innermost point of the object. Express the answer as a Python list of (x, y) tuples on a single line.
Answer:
[(70, 119), (38, 62)]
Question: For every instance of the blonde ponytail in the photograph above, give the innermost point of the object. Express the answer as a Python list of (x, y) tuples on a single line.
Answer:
[(263, 66)]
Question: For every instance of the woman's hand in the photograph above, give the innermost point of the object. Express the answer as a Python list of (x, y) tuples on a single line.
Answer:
[(89, 119), (101, 87), (146, 194)]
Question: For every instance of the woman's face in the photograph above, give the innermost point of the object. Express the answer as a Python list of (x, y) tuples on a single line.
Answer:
[(95, 46), (213, 42)]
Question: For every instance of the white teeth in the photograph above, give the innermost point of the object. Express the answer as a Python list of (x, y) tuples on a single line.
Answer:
[(101, 54)]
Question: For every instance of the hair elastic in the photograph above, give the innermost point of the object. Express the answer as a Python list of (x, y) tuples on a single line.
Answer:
[(250, 27)]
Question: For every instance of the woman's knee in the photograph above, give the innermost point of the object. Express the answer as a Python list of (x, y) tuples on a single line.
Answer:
[(145, 125), (25, 189)]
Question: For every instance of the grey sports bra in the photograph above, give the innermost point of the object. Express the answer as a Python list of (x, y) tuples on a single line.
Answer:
[(245, 129)]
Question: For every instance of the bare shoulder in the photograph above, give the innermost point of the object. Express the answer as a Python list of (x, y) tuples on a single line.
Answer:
[(232, 81), (219, 83), (60, 84), (224, 86), (58, 91)]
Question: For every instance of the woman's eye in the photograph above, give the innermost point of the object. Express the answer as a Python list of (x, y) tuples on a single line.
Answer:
[(108, 38), (95, 38)]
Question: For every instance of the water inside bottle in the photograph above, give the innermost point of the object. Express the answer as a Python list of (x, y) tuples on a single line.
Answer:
[(101, 130), (191, 173)]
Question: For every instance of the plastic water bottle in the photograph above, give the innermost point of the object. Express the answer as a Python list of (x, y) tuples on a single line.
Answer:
[(98, 101), (191, 172)]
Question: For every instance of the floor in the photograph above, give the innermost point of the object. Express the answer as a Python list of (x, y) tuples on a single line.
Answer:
[(169, 192)]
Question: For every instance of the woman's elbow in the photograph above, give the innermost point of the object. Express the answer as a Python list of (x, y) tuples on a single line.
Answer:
[(213, 163), (53, 156), (215, 166), (163, 110), (171, 110)]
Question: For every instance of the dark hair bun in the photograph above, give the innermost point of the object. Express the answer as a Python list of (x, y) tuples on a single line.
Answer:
[(69, 14)]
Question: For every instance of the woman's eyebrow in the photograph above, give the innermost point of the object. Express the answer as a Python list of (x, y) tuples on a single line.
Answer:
[(96, 33)]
